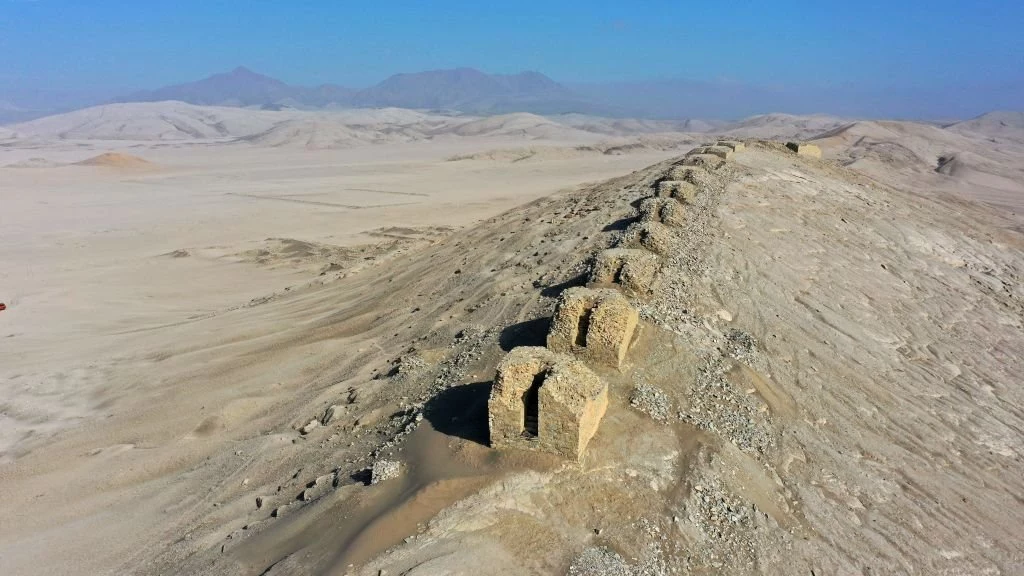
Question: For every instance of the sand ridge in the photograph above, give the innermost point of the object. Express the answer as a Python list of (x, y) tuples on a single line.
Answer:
[(806, 341), (116, 160)]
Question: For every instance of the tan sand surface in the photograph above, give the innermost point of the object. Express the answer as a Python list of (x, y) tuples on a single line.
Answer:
[(202, 360)]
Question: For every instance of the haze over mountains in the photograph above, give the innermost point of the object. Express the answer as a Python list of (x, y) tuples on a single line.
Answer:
[(461, 89), (470, 91), (243, 87)]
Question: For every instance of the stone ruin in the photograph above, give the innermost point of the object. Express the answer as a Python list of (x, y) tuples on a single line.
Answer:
[(706, 161), (595, 324), (804, 149), (695, 175), (652, 236), (666, 211), (690, 174), (633, 270), (723, 152), (681, 190), (543, 400), (734, 145)]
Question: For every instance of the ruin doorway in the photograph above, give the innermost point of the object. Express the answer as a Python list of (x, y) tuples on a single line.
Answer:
[(582, 327), (617, 278), (531, 407)]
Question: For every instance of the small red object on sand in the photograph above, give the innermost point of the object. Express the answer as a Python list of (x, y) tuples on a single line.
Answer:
[(3, 306)]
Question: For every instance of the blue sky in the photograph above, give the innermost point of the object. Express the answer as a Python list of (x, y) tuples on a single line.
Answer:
[(115, 46)]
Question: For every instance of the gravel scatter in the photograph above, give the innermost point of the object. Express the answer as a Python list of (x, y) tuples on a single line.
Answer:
[(719, 407), (594, 561), (651, 401), (384, 470)]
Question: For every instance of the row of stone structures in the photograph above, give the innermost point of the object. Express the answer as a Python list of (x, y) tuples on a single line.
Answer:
[(547, 398)]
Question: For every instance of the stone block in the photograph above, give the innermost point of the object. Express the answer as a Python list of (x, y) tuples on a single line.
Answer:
[(651, 236), (666, 211), (804, 149), (706, 161), (681, 190), (633, 270), (596, 324), (723, 152), (546, 401), (734, 145)]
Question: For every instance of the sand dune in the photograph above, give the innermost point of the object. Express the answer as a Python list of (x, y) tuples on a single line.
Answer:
[(608, 148), (781, 126), (977, 171), (312, 134), (176, 121), (152, 121), (1008, 125), (957, 160), (632, 126), (520, 125), (116, 160)]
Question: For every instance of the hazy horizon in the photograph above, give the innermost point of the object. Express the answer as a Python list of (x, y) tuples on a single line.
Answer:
[(922, 61)]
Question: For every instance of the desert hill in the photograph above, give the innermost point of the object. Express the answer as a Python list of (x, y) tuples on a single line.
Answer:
[(529, 126), (239, 87), (116, 160), (954, 159), (464, 89), (177, 121), (347, 128), (633, 126), (781, 126), (999, 124), (467, 90), (151, 121), (823, 380)]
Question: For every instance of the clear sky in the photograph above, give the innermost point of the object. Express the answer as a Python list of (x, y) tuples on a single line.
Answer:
[(117, 45)]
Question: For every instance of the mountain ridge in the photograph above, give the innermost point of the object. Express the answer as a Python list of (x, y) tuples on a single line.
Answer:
[(462, 89)]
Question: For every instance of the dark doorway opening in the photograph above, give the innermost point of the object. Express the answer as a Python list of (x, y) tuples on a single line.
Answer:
[(583, 326), (531, 407), (617, 279)]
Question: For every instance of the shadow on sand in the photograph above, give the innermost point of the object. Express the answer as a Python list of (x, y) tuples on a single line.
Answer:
[(556, 290), (529, 333), (461, 411)]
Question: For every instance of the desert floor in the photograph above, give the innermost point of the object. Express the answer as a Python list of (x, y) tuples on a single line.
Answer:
[(205, 352), (104, 266)]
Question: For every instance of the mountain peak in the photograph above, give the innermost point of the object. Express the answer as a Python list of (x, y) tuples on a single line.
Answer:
[(470, 90), (464, 88), (240, 71)]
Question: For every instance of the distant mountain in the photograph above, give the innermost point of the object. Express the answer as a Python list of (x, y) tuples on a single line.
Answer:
[(461, 89), (145, 121), (326, 95), (469, 90), (239, 87)]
